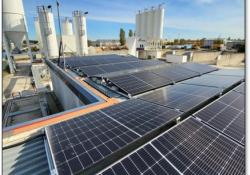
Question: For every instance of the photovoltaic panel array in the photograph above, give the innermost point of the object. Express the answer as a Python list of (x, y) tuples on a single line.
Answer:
[(78, 61), (189, 148), (182, 96), (141, 116), (227, 115), (81, 143), (99, 70), (175, 73), (229, 72), (240, 88), (138, 83), (219, 81), (200, 68)]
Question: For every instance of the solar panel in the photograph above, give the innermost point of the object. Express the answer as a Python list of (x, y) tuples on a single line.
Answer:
[(200, 68), (73, 62), (152, 79), (181, 96), (189, 148), (138, 83), (240, 88), (226, 115), (214, 81), (141, 116), (175, 73), (146, 160), (229, 72), (130, 84), (81, 142), (89, 71)]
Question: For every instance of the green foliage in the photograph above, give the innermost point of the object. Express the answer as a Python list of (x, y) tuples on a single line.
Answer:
[(122, 37), (218, 41)]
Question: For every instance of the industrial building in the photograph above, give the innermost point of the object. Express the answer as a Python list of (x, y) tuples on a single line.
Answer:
[(113, 114)]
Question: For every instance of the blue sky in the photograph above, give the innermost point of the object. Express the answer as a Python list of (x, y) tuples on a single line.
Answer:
[(183, 18)]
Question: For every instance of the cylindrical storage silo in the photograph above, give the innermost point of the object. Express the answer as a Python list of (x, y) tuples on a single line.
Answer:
[(80, 30), (143, 21), (138, 24), (159, 23), (146, 14), (14, 24), (38, 33), (67, 27), (48, 32), (150, 24)]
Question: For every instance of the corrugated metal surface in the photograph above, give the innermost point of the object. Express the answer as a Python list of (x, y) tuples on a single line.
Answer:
[(27, 158)]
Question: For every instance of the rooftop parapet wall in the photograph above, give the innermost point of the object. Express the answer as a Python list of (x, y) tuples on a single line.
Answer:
[(205, 57), (235, 59)]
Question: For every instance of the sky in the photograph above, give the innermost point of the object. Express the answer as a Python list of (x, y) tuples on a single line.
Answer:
[(189, 19)]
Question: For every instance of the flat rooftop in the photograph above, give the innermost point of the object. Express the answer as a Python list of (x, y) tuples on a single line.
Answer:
[(165, 118)]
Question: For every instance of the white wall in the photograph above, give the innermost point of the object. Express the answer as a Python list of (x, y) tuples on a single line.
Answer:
[(66, 97)]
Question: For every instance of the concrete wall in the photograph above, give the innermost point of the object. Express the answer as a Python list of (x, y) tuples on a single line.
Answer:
[(231, 59), (205, 57), (66, 97)]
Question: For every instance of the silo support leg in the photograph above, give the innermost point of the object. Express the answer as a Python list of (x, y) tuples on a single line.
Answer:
[(29, 49), (7, 49)]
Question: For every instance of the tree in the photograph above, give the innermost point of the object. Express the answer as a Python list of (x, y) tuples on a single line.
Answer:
[(176, 41), (130, 33), (122, 37)]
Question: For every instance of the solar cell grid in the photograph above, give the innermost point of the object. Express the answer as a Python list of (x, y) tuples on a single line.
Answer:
[(181, 96), (130, 84), (200, 68), (214, 81), (144, 161), (175, 73), (141, 116), (189, 148), (240, 88), (229, 72), (90, 70), (152, 79), (79, 143), (226, 115), (137, 83), (74, 62)]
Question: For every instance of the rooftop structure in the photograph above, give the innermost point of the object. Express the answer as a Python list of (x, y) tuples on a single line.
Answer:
[(122, 114)]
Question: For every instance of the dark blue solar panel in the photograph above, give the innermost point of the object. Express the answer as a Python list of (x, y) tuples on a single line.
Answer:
[(138, 83), (230, 72), (189, 148), (240, 88), (200, 68), (181, 96), (227, 115), (214, 81), (175, 73), (141, 116), (81, 142)]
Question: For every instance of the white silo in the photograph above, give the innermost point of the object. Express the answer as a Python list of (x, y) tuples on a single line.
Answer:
[(145, 27), (67, 27), (38, 33), (138, 24), (48, 32), (80, 30), (143, 22), (159, 22), (150, 24), (14, 27)]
